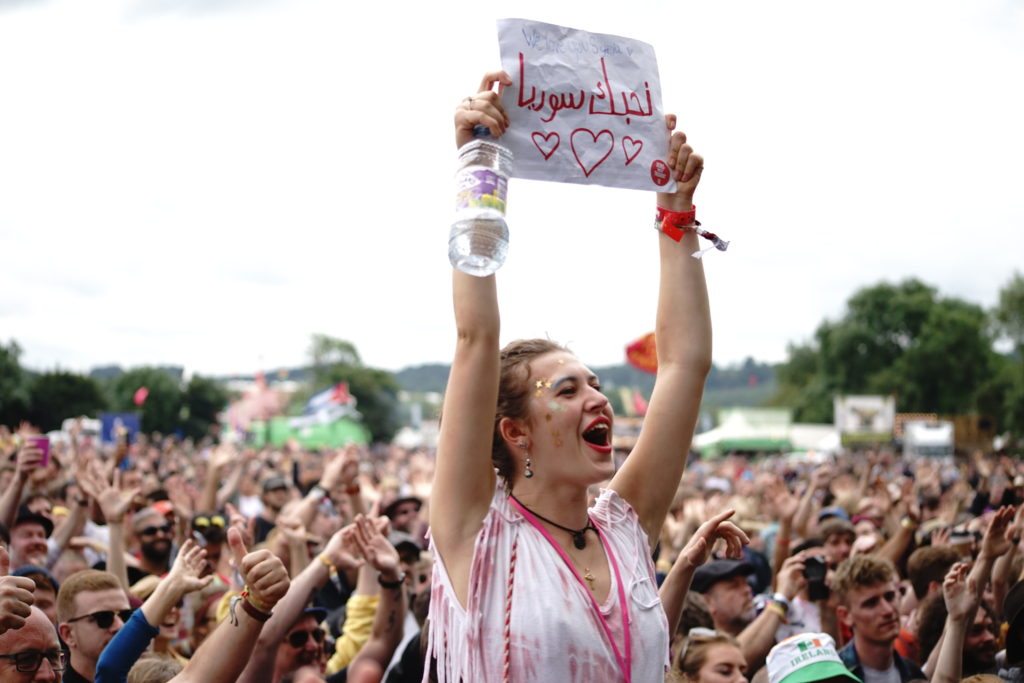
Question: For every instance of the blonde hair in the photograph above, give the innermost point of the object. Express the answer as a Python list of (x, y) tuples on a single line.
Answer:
[(154, 669), (693, 655), (88, 581), (861, 571)]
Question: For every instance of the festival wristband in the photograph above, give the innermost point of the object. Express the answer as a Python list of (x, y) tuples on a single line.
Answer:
[(391, 585), (255, 612), (675, 223), (778, 609)]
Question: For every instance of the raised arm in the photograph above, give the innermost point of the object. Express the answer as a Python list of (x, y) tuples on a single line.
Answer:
[(29, 459), (464, 477), (962, 597), (267, 582), (131, 641), (651, 473), (695, 553)]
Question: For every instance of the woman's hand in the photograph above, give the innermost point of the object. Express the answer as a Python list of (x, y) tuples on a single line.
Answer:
[(686, 168), (482, 109), (186, 575)]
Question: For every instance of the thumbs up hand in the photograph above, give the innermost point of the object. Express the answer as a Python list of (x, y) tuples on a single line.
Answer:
[(15, 596), (261, 570)]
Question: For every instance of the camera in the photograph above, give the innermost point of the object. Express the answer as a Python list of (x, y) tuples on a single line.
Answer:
[(815, 569)]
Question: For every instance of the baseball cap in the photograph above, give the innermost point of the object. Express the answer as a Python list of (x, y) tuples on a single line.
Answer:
[(834, 511), (26, 516), (804, 658), (274, 483), (707, 575)]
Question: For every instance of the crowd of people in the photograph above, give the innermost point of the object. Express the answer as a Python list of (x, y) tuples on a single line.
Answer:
[(293, 564), (523, 547)]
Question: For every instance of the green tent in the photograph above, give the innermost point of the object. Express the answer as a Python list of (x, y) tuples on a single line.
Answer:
[(337, 433)]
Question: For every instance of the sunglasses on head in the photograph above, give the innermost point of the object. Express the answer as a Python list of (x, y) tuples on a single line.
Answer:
[(105, 618), (203, 521), (298, 639), (29, 662), (154, 530)]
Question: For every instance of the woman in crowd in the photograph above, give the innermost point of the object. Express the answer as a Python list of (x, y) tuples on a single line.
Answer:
[(711, 657), (530, 583)]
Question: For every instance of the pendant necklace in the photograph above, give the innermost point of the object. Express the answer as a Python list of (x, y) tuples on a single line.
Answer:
[(579, 536), (588, 577)]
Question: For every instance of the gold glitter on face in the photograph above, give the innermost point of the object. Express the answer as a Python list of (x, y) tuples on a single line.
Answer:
[(541, 385)]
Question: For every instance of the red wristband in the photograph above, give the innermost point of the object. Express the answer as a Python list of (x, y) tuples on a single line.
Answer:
[(675, 223)]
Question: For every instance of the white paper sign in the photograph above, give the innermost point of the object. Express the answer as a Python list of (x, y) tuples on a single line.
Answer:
[(583, 107)]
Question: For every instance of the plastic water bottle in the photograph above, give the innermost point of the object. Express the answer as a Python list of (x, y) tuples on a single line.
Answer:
[(478, 241)]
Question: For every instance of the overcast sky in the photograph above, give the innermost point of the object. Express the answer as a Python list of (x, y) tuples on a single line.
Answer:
[(207, 182)]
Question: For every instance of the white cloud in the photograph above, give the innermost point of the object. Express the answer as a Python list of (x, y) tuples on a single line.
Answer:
[(208, 184)]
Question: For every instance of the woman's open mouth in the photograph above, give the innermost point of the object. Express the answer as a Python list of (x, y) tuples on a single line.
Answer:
[(598, 435)]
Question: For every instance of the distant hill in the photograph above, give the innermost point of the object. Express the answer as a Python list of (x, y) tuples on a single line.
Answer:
[(747, 384)]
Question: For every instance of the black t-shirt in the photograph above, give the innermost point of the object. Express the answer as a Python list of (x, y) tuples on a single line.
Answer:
[(72, 676), (262, 529)]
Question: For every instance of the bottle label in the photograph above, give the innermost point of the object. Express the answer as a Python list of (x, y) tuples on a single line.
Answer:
[(480, 188)]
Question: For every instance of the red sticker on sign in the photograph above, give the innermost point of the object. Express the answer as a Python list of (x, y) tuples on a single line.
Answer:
[(659, 173)]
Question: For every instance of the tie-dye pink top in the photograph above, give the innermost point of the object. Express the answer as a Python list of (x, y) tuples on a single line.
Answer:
[(554, 633)]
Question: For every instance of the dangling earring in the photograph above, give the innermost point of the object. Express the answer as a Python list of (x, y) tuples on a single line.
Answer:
[(529, 472)]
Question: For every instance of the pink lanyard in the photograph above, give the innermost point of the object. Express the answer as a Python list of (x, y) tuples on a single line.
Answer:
[(625, 663)]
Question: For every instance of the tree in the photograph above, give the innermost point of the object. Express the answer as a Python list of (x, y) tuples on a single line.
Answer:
[(935, 354), (14, 393), (375, 390), (161, 411), (1008, 319), (59, 394), (204, 399), (1009, 312)]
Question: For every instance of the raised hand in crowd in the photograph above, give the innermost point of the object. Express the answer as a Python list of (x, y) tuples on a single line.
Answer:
[(113, 502), (16, 597), (695, 553), (267, 582), (133, 639), (962, 595), (28, 461)]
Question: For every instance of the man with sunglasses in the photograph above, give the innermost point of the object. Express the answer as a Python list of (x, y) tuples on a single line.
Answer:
[(32, 652), (91, 608), (154, 534)]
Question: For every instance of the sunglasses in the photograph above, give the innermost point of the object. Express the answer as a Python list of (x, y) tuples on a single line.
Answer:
[(298, 639), (29, 662), (203, 521), (154, 530), (105, 618)]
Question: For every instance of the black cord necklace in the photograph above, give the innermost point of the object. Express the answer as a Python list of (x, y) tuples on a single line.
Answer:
[(579, 536)]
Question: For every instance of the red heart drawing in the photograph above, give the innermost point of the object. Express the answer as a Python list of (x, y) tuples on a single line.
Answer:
[(590, 153), (629, 143), (544, 143)]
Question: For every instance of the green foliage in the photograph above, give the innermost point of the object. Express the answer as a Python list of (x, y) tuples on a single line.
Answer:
[(203, 399), (376, 391), (14, 389), (59, 394), (161, 411), (934, 354), (1009, 312)]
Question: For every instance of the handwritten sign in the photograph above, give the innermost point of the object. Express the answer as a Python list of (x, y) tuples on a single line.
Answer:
[(584, 107)]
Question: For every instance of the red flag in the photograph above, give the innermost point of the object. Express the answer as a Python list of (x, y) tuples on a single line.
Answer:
[(642, 354), (639, 403), (341, 395), (140, 396)]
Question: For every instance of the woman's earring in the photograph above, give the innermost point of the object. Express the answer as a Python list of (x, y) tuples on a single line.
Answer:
[(529, 472)]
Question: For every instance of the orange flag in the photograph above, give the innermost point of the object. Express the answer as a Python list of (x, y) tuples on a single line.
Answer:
[(642, 355)]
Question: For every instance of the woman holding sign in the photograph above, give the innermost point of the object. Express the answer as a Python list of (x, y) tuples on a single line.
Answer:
[(531, 584)]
